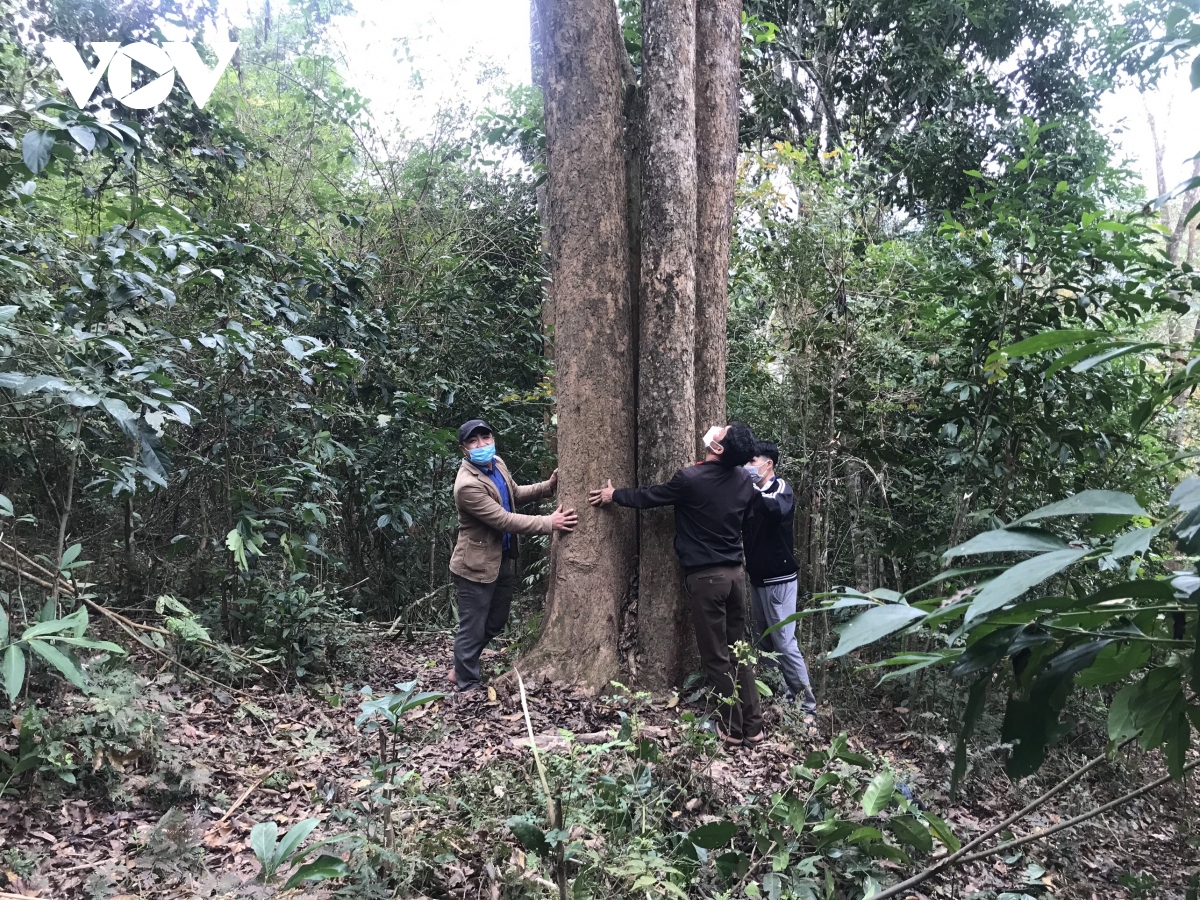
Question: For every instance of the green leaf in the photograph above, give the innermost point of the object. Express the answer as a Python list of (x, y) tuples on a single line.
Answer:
[(1136, 541), (943, 832), (84, 137), (1155, 707), (1115, 662), (87, 643), (975, 704), (875, 623), (530, 836), (59, 660), (70, 555), (712, 835), (320, 869), (911, 831), (53, 626), (1050, 340), (14, 672), (35, 149), (879, 793), (1032, 725), (234, 542), (262, 842), (294, 838), (1087, 503), (1016, 581), (1005, 540), (918, 661), (3, 627), (1114, 353), (6, 507)]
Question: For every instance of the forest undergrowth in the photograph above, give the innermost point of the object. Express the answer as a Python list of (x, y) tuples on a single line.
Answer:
[(174, 775)]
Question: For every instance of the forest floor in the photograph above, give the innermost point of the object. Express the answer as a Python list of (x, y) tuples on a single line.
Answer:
[(178, 825)]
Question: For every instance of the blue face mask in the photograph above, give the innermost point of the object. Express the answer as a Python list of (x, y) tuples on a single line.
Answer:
[(484, 455), (753, 470)]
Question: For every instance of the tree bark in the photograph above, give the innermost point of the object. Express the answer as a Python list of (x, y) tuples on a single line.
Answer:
[(587, 238), (667, 312), (718, 35)]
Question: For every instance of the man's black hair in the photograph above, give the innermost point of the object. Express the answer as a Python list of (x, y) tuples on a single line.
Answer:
[(769, 449), (738, 444)]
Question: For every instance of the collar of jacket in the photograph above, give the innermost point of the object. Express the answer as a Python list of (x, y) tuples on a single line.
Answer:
[(471, 469)]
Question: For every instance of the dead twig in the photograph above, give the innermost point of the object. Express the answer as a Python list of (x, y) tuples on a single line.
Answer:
[(239, 801), (1079, 819), (963, 855)]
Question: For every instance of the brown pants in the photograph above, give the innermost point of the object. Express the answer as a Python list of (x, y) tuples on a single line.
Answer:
[(718, 600)]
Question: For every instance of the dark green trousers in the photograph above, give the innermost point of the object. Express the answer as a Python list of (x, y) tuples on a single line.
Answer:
[(718, 600)]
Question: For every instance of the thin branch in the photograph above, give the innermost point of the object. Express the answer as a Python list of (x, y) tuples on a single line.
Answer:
[(1079, 819), (960, 855)]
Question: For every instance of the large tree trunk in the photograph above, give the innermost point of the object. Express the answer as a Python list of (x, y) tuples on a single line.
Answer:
[(587, 236), (666, 384), (718, 36)]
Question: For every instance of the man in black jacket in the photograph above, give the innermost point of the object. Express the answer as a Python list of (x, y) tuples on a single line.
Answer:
[(772, 568), (710, 501)]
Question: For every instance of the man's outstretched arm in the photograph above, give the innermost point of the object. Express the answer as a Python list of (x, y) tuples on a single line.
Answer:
[(641, 498)]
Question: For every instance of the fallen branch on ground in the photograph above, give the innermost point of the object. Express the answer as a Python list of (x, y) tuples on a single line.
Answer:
[(239, 801), (963, 855)]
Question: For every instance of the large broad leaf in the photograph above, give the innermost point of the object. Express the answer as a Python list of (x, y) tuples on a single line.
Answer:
[(1155, 708), (1050, 340), (1114, 353), (1186, 494), (3, 626), (910, 831), (1016, 581), (1087, 503), (35, 149), (975, 703), (1115, 662), (1136, 541), (59, 660), (84, 137), (939, 827), (712, 835), (295, 837), (1023, 576), (320, 869), (874, 624), (1032, 725), (13, 668), (1004, 540), (982, 654), (262, 842), (530, 835), (54, 626), (87, 643), (879, 793)]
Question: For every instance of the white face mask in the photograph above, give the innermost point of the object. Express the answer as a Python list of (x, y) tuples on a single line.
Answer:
[(710, 436)]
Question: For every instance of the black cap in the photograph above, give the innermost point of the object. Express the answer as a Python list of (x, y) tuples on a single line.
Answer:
[(466, 429)]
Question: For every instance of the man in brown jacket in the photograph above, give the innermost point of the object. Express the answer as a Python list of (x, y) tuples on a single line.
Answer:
[(484, 560)]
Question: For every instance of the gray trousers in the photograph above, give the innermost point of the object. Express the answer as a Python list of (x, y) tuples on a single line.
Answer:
[(482, 614), (770, 605)]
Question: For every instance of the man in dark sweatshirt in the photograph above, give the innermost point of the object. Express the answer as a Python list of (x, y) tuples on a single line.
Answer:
[(772, 568), (710, 501)]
